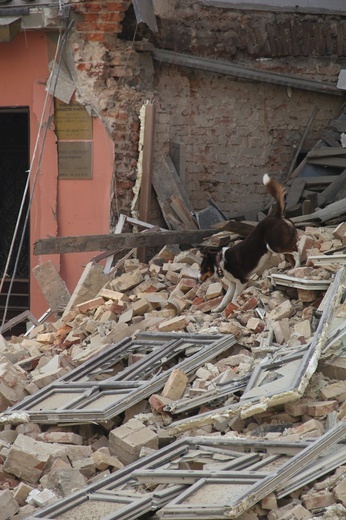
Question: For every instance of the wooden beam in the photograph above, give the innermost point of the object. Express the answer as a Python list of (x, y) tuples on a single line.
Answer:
[(81, 244), (147, 163)]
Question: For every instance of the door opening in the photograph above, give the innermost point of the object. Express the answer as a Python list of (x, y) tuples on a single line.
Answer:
[(14, 166)]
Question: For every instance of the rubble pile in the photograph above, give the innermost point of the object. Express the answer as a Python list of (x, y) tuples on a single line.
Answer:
[(265, 370)]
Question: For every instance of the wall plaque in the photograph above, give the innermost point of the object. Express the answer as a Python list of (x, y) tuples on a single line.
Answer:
[(72, 121), (75, 160)]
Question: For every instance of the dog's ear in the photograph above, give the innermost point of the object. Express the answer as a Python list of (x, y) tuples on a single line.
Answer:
[(203, 249)]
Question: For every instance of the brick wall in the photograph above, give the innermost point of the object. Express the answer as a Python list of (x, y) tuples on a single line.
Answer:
[(108, 74), (232, 131)]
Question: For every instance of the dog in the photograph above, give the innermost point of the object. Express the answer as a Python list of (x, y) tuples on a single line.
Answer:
[(274, 234)]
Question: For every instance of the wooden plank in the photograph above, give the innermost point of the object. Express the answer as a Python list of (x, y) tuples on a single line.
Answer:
[(241, 228), (333, 210), (330, 137), (147, 163), (333, 162), (332, 190), (167, 182), (182, 212), (295, 192), (318, 180), (339, 125), (301, 142), (325, 151), (79, 244)]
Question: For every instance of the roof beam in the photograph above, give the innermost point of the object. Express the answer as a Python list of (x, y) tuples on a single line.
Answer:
[(239, 71)]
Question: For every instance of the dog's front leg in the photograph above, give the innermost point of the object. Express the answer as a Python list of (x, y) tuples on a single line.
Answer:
[(239, 287), (227, 298)]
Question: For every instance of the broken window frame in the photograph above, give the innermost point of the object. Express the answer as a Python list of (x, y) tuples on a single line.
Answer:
[(235, 506), (245, 453), (309, 361), (75, 409)]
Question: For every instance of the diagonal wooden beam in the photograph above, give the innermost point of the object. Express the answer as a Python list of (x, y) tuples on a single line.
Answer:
[(81, 244)]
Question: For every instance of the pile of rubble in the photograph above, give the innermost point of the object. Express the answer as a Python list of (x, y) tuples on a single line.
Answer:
[(140, 400)]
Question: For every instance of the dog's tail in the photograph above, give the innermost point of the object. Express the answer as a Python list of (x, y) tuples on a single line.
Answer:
[(277, 191)]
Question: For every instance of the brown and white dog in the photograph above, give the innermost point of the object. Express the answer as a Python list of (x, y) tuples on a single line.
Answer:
[(274, 234)]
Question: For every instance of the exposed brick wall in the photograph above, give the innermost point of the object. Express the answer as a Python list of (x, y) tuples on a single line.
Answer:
[(232, 131), (236, 131), (108, 74), (187, 26), (99, 20)]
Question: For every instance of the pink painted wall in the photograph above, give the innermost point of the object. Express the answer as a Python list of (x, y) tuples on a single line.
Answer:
[(59, 207)]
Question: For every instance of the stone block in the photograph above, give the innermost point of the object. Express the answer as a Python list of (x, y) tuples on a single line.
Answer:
[(321, 408), (307, 295), (206, 306), (52, 286), (214, 291), (42, 380), (127, 281), (27, 458), (305, 243), (21, 492), (255, 325), (66, 481), (61, 437), (309, 426), (175, 385), (44, 498), (303, 328), (8, 504), (318, 499), (269, 502), (140, 307), (103, 459), (90, 305), (158, 402), (126, 441), (86, 467), (176, 323), (334, 369), (109, 294), (186, 284), (233, 327), (340, 491), (283, 310), (296, 408), (75, 452), (88, 286)]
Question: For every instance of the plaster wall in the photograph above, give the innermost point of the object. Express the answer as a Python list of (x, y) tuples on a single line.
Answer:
[(58, 207)]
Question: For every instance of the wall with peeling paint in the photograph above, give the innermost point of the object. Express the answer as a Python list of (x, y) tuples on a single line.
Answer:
[(59, 207)]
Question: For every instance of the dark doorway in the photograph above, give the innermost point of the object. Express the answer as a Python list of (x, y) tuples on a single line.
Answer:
[(14, 166)]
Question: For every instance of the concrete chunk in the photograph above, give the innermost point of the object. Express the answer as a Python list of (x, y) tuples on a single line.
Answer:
[(52, 286), (27, 458), (8, 505), (127, 441), (175, 385)]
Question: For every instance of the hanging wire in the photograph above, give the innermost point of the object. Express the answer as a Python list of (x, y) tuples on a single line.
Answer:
[(57, 60)]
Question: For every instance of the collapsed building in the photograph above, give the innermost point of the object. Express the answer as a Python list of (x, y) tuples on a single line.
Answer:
[(150, 125)]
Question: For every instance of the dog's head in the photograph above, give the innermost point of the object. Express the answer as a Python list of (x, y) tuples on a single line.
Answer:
[(210, 262)]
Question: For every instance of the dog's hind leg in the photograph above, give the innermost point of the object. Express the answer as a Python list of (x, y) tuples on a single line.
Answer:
[(227, 298)]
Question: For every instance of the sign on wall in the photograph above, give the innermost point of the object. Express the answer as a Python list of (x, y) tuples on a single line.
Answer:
[(73, 127), (74, 160), (72, 121)]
